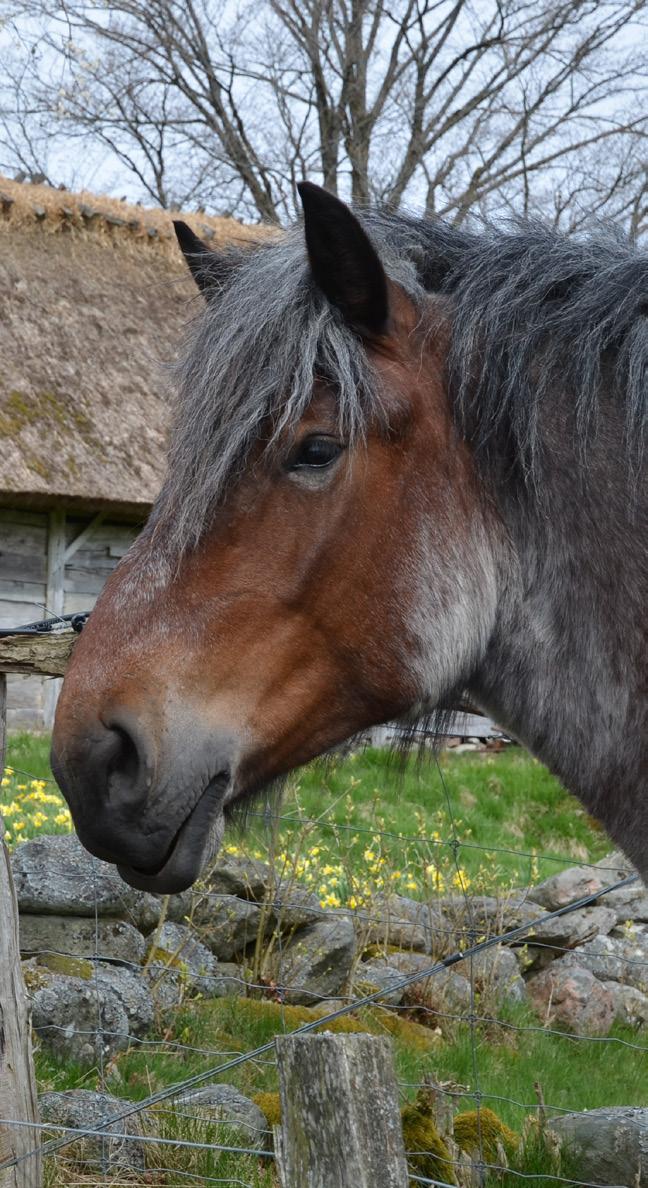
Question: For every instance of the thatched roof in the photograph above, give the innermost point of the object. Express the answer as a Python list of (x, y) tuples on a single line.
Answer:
[(93, 295)]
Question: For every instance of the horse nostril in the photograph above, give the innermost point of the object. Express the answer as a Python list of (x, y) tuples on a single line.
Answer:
[(126, 761), (123, 765)]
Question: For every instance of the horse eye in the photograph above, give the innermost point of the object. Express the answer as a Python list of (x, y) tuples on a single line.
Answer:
[(315, 452)]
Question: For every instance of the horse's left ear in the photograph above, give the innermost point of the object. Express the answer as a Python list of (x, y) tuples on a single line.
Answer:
[(209, 270), (344, 262)]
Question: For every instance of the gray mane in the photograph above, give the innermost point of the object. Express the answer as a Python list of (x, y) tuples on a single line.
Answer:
[(534, 313)]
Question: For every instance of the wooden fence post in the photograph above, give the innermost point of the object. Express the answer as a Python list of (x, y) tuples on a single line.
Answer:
[(18, 1099), (341, 1125)]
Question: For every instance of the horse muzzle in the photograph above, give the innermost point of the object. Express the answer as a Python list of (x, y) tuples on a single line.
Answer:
[(151, 802)]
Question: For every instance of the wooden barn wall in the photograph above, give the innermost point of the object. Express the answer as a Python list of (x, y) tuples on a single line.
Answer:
[(24, 588)]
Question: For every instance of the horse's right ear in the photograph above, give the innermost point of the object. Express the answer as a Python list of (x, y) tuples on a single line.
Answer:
[(344, 263), (207, 268)]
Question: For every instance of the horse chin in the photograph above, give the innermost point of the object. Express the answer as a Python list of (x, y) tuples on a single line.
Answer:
[(196, 843)]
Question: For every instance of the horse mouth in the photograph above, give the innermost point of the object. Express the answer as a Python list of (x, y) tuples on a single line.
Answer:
[(193, 845)]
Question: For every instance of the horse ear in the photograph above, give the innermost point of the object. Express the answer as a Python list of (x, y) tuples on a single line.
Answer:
[(207, 268), (343, 260)]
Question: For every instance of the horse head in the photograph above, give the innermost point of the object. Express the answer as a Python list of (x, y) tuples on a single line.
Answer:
[(320, 559)]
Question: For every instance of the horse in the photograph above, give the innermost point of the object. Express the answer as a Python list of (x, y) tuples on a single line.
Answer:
[(406, 463)]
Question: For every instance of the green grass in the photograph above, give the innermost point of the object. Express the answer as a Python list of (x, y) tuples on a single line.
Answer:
[(503, 1062), (492, 803), (353, 827)]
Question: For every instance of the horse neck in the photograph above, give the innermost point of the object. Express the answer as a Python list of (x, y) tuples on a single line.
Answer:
[(566, 669)]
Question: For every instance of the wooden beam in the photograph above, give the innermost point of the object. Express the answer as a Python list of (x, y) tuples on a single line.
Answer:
[(83, 537), (18, 1097), (55, 596), (340, 1121), (42, 655)]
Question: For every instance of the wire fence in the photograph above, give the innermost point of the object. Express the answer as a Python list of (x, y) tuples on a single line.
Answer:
[(132, 1142)]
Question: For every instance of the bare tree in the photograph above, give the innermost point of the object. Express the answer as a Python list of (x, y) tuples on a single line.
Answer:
[(452, 105)]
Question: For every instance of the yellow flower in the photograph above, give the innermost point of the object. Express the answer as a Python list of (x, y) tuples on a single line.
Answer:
[(369, 856), (63, 818), (21, 787), (461, 880), (9, 771), (352, 902), (39, 819), (411, 885), (4, 782), (19, 825)]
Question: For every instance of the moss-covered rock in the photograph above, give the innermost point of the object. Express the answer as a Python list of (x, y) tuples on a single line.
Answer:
[(74, 967), (481, 1131), (270, 1106), (427, 1152)]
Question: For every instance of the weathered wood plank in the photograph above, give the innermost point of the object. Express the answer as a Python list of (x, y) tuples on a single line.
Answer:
[(45, 655), (24, 538), (341, 1125), (83, 537), (22, 566), (18, 1098), (75, 603), (12, 515), (55, 595), (20, 603)]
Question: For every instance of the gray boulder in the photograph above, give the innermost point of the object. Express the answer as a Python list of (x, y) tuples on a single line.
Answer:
[(567, 932), (79, 936), (476, 916), (56, 876), (234, 874), (227, 925), (567, 887), (316, 962), (495, 974), (568, 995), (178, 948), (618, 959), (231, 1115), (168, 985), (614, 866), (73, 1021), (630, 1005), (378, 975), (445, 992), (177, 945), (293, 906), (131, 990), (611, 1145), (92, 1012), (629, 903), (405, 924), (178, 908), (120, 1150)]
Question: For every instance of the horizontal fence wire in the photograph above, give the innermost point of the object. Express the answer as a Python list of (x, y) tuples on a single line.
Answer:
[(110, 1129)]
